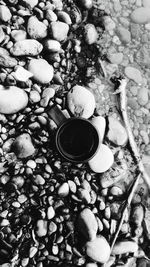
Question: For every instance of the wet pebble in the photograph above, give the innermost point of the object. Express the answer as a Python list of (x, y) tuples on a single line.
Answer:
[(50, 213), (34, 97), (63, 190), (41, 228), (31, 164), (39, 180)]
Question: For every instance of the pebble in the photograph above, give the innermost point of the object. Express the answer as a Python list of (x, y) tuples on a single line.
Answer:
[(143, 96), (116, 191), (115, 58), (133, 74), (81, 102), (22, 198), (50, 15), (30, 3), (84, 195), (5, 14), (116, 132), (2, 34), (90, 34), (12, 99), (50, 213), (28, 47), (31, 164), (52, 46), (141, 15), (32, 252), (6, 60), (42, 71), (72, 186), (34, 97), (146, 3), (64, 17), (98, 249), (41, 228), (39, 180), (102, 160), (23, 146), (109, 24), (124, 35), (123, 247), (36, 29), (63, 190), (100, 123), (59, 31), (87, 224), (18, 35), (21, 74), (47, 94)]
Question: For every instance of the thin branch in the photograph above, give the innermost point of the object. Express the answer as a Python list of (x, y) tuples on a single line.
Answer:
[(125, 208), (123, 108)]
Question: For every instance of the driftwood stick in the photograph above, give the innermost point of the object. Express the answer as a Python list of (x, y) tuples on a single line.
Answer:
[(125, 208), (123, 108)]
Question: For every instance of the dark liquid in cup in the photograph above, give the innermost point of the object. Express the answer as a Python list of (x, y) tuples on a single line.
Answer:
[(77, 139)]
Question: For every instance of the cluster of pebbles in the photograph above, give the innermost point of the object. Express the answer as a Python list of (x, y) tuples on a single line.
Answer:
[(53, 212)]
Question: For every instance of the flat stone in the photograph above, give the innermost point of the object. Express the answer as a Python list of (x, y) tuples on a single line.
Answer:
[(143, 96), (28, 47), (59, 30), (36, 29), (141, 15), (5, 14), (42, 71), (133, 74), (12, 99)]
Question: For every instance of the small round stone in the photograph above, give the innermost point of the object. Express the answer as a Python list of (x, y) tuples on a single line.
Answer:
[(31, 164)]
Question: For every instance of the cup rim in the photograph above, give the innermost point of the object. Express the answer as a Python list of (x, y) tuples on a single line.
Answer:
[(77, 159)]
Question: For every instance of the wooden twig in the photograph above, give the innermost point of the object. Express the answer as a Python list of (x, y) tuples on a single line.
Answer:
[(125, 208), (123, 108)]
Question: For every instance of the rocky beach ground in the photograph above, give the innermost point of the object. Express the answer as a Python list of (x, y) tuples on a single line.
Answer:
[(54, 212)]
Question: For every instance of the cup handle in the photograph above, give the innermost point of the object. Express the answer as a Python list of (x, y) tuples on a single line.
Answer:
[(56, 115)]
